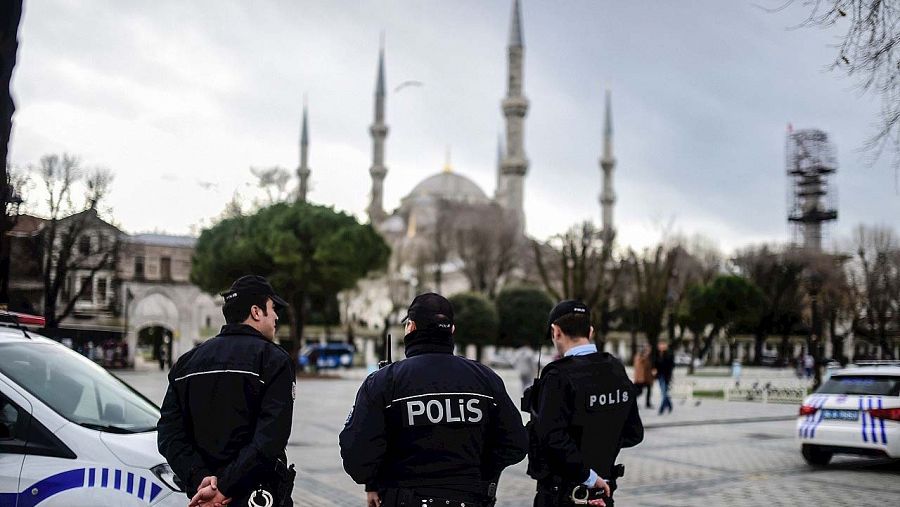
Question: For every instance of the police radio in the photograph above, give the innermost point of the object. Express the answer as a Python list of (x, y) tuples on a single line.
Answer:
[(387, 353)]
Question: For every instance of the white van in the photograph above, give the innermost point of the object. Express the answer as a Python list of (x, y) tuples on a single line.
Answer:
[(72, 434)]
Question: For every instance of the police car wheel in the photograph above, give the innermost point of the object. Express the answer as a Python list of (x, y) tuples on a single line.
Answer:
[(816, 456)]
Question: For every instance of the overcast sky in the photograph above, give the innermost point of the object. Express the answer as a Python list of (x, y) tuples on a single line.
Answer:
[(174, 96)]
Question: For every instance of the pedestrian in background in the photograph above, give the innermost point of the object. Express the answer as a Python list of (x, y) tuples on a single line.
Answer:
[(226, 417), (434, 429), (643, 373), (664, 368)]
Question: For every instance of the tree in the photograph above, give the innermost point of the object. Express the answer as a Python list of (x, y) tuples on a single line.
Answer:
[(274, 182), (652, 277), (65, 253), (868, 52), (779, 277), (308, 252), (578, 265), (475, 318), (728, 302), (488, 244), (522, 313), (878, 277)]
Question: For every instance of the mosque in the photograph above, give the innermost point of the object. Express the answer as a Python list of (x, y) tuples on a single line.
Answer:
[(411, 229)]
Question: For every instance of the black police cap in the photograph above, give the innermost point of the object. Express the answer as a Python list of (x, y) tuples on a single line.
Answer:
[(252, 285), (564, 308), (430, 309)]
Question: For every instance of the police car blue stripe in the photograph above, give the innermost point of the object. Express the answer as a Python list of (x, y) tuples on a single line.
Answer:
[(872, 421), (820, 413), (92, 477), (50, 486), (154, 492), (811, 419), (805, 422), (118, 479), (141, 487), (881, 422), (130, 483), (863, 414), (104, 478)]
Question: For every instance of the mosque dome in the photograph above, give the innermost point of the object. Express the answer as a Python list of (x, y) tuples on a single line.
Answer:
[(450, 186)]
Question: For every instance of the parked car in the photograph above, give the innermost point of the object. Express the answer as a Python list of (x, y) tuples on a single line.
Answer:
[(71, 433), (857, 411), (327, 356)]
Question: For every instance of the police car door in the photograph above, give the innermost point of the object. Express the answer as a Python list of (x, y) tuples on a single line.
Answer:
[(15, 415)]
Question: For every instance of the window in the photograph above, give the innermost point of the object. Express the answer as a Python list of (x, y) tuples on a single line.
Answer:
[(87, 284), (165, 268), (76, 388), (875, 385), (84, 245), (101, 290), (12, 420), (139, 267)]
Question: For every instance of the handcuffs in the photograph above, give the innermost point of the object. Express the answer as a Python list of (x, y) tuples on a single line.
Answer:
[(268, 501), (580, 495)]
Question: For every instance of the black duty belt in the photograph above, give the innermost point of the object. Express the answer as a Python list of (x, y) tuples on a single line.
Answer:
[(449, 493)]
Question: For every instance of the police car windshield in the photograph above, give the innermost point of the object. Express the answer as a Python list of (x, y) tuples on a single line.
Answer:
[(862, 385), (76, 388)]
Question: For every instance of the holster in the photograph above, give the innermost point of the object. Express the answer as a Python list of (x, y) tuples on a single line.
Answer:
[(554, 492), (280, 483)]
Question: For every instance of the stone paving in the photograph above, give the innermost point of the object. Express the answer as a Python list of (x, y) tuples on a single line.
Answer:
[(684, 460)]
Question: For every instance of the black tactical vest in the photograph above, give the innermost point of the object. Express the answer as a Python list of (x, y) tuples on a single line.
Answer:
[(601, 396)]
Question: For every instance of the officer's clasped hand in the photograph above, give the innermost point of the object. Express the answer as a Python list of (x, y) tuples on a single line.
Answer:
[(208, 494)]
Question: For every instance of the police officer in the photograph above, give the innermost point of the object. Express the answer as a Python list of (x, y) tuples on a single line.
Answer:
[(435, 428), (583, 411), (226, 417)]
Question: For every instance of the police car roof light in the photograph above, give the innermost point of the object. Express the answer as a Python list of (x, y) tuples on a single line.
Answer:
[(20, 320)]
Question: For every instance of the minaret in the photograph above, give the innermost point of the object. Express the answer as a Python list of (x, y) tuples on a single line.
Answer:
[(303, 169), (379, 132), (515, 105), (607, 164), (497, 197)]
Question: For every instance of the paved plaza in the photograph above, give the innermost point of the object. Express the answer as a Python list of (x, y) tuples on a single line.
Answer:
[(705, 453)]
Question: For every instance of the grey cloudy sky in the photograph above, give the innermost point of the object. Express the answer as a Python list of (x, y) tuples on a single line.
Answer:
[(172, 95)]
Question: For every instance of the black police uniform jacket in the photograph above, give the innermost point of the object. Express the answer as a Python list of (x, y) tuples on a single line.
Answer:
[(227, 411), (432, 420), (584, 411)]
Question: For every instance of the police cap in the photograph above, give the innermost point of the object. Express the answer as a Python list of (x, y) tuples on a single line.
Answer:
[(564, 308), (430, 310), (252, 285)]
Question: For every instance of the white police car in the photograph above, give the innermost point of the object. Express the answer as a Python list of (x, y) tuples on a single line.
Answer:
[(72, 434), (857, 411)]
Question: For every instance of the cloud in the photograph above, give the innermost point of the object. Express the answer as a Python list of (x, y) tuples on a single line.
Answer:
[(203, 90)]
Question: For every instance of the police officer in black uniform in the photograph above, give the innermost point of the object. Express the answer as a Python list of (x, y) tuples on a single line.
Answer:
[(435, 428), (226, 417), (583, 411)]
